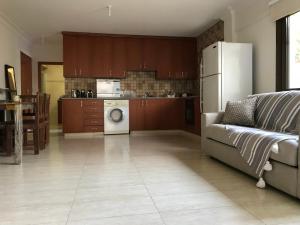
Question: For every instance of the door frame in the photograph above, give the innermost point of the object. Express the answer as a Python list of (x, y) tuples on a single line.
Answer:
[(40, 71)]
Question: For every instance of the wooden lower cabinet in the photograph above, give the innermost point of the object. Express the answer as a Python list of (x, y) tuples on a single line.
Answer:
[(156, 114), (82, 115)]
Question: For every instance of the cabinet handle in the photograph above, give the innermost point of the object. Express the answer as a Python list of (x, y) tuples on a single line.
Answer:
[(80, 72), (169, 74), (81, 103), (75, 72)]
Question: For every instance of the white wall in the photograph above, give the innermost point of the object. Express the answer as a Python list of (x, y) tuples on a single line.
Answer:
[(45, 52), (12, 42), (253, 23)]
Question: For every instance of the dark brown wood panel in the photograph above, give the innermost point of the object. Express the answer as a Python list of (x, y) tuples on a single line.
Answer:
[(70, 55), (134, 54), (118, 69), (150, 51), (84, 49), (72, 116), (26, 74), (136, 114)]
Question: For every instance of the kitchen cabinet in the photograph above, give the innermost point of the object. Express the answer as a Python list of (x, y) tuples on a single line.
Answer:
[(111, 56), (101, 58), (136, 114), (195, 127), (72, 116), (83, 115), (134, 54), (150, 51), (156, 114), (70, 55), (164, 57), (118, 66)]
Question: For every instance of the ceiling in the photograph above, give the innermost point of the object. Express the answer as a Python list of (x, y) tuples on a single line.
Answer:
[(43, 19)]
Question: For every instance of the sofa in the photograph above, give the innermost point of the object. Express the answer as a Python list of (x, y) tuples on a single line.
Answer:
[(285, 174)]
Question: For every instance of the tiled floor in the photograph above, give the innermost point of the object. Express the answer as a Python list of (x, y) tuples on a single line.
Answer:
[(135, 180)]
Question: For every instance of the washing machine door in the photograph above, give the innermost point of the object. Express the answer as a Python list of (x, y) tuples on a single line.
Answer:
[(116, 115)]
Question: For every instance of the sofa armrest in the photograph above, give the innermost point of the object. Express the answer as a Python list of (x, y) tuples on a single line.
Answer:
[(209, 119)]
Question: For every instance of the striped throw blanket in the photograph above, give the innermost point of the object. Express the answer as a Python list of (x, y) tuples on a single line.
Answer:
[(276, 120), (255, 144)]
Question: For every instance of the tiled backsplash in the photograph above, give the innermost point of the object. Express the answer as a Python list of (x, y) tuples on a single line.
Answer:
[(138, 82)]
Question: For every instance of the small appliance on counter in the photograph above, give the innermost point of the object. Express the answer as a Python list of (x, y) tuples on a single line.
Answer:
[(90, 94), (82, 93), (108, 88), (74, 93)]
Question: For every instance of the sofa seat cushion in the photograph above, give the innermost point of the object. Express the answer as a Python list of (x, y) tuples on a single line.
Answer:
[(288, 149)]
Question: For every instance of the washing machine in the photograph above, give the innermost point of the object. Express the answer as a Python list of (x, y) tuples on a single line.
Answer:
[(116, 116)]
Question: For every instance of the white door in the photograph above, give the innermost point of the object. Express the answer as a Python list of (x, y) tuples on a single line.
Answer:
[(212, 59), (212, 93)]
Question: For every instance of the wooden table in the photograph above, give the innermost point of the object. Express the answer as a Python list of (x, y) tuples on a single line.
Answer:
[(16, 158)]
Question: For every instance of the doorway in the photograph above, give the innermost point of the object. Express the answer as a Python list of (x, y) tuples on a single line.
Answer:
[(52, 81)]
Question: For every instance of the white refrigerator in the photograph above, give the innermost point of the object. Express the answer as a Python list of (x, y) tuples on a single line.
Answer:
[(226, 74)]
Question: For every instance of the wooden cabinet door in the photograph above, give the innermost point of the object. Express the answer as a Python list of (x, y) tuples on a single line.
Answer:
[(177, 59), (190, 59), (136, 114), (153, 114), (134, 54), (118, 69), (72, 116), (172, 114), (70, 55), (84, 54), (164, 56), (150, 51), (101, 59), (26, 74)]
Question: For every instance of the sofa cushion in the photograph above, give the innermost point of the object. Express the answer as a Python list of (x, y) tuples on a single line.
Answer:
[(288, 149), (240, 112)]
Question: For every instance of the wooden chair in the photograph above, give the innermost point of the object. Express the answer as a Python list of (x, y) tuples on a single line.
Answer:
[(46, 121), (31, 122), (41, 121)]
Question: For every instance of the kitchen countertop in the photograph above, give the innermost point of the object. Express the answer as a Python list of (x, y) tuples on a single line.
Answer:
[(128, 98)]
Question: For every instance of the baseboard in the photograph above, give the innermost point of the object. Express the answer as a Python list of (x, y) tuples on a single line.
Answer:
[(55, 131), (155, 132), (84, 135), (190, 135)]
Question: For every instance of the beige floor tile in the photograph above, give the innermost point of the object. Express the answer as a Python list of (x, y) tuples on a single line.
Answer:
[(111, 208), (33, 215), (191, 201), (280, 212), (36, 199), (147, 219), (111, 193), (125, 179), (215, 216)]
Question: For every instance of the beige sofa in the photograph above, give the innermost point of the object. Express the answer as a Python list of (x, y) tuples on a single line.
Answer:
[(285, 174)]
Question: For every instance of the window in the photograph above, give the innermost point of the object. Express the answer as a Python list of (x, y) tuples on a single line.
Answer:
[(288, 53), (294, 52)]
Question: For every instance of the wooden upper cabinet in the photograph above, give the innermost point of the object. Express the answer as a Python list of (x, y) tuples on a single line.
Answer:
[(70, 55), (134, 54), (118, 66), (101, 58), (84, 48), (190, 59), (164, 59), (150, 51)]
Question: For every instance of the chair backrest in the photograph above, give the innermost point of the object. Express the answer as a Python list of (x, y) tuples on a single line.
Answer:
[(41, 108), (29, 113), (47, 106)]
